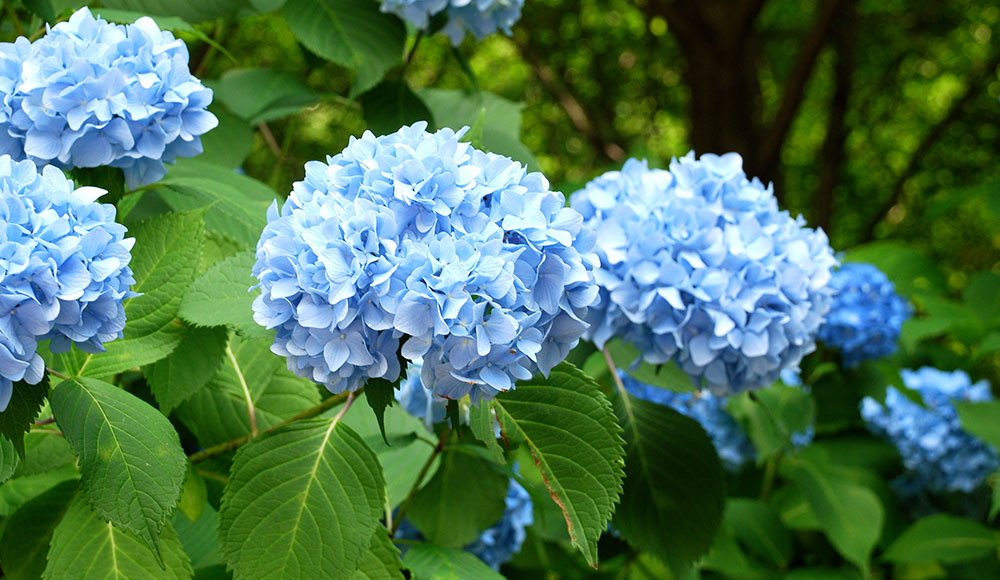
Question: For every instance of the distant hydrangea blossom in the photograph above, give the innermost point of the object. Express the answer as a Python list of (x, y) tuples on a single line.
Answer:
[(866, 315), (90, 93), (65, 270), (730, 440), (418, 400), (501, 541), (938, 454), (480, 17), (698, 265), (418, 243)]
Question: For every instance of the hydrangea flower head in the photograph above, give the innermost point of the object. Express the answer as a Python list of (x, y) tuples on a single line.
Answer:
[(866, 315), (90, 93), (699, 266), (418, 243), (479, 17), (65, 270), (938, 454)]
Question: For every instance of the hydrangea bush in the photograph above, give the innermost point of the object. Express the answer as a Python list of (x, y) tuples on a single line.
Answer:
[(866, 316), (90, 93), (699, 266), (481, 18)]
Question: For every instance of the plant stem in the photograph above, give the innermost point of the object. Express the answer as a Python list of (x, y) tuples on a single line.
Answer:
[(251, 410), (770, 470), (44, 422), (614, 371), (420, 479), (328, 403), (12, 15), (413, 51), (56, 374)]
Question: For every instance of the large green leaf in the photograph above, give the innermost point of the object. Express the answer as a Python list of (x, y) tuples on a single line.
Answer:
[(430, 562), (195, 361), (230, 143), (572, 434), (18, 491), (25, 402), (199, 538), (85, 547), (222, 296), (302, 501), (26, 537), (9, 461), (778, 412), (851, 515), (982, 420), (942, 538), (391, 105), (382, 560), (190, 10), (758, 527), (450, 512), (44, 451), (130, 457), (262, 94), (351, 33), (218, 411), (163, 266), (501, 123), (674, 493)]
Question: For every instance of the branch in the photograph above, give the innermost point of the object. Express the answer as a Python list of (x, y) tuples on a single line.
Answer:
[(980, 75), (795, 86), (420, 479)]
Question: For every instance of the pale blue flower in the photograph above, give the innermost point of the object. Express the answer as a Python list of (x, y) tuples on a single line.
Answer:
[(420, 244), (481, 18), (418, 400), (699, 266), (90, 93), (866, 315), (64, 270), (938, 454)]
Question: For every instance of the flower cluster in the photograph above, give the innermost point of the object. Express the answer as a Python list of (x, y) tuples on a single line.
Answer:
[(480, 17), (698, 265), (419, 243), (90, 93), (866, 315), (938, 454), (501, 541), (730, 440), (418, 400), (64, 264)]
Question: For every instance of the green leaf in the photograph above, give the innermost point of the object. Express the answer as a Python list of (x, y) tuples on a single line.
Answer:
[(26, 537), (302, 501), (16, 492), (351, 33), (130, 457), (190, 10), (819, 573), (222, 295), (942, 538), (8, 459), (665, 376), (501, 124), (674, 492), (995, 502), (482, 422), (430, 562), (982, 420), (45, 451), (229, 144), (194, 495), (572, 434), (475, 135), (727, 557), (910, 271), (391, 105), (163, 266), (199, 538), (450, 512), (85, 547), (982, 295), (262, 94), (850, 515), (382, 560), (770, 421), (758, 527), (218, 411), (25, 402), (379, 394), (186, 370)]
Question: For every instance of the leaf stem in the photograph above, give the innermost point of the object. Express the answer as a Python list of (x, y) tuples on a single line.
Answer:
[(325, 405), (56, 374), (351, 396), (413, 51), (614, 371), (770, 470), (251, 410), (44, 422), (420, 479)]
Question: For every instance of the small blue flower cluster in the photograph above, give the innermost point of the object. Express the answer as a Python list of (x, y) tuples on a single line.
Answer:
[(730, 440), (480, 17), (698, 265), (421, 238), (501, 541), (866, 315), (64, 264), (938, 454), (90, 93), (418, 400)]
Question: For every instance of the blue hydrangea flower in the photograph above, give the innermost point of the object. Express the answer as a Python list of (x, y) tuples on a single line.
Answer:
[(90, 93), (731, 441), (939, 456), (418, 400), (698, 265), (63, 270), (866, 315), (501, 541), (419, 243), (480, 17)]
